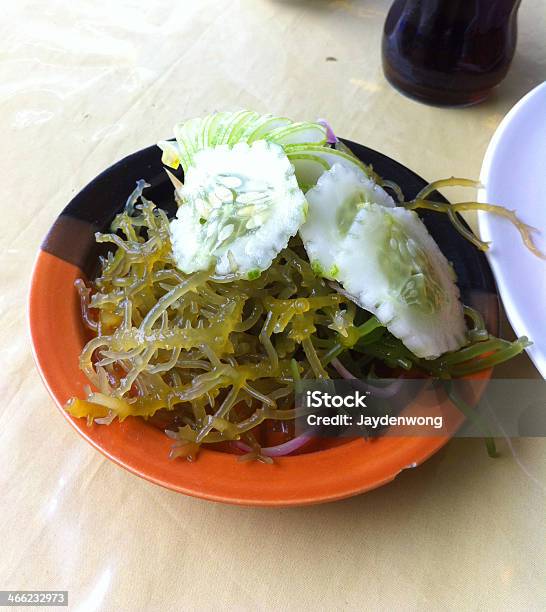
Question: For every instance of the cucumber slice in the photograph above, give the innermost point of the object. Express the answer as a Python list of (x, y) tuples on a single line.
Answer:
[(203, 137), (199, 133), (231, 126), (217, 126), (245, 126), (299, 133), (330, 156), (264, 128), (238, 131), (253, 126), (385, 258), (308, 168), (187, 136), (240, 205), (392, 266), (334, 203)]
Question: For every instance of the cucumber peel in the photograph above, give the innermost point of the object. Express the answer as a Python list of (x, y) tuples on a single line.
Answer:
[(230, 128)]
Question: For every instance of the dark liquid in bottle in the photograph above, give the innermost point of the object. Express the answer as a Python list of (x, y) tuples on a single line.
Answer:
[(449, 52)]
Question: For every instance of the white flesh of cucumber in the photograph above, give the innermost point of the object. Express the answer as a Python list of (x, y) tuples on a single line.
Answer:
[(240, 205), (333, 205), (386, 260)]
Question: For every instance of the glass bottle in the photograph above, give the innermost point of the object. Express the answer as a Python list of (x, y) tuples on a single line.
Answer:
[(449, 52)]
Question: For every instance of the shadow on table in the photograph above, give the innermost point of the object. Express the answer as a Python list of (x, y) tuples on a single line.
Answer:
[(443, 482)]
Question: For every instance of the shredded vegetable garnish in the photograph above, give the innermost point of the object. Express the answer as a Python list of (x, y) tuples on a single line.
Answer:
[(421, 201), (209, 359)]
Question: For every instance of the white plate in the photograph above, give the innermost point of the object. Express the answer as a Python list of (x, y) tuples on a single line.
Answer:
[(514, 175)]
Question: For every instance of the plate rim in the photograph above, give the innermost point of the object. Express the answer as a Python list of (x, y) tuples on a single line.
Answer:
[(536, 355)]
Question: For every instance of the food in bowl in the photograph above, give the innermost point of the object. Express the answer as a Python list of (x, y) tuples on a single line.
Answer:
[(288, 259)]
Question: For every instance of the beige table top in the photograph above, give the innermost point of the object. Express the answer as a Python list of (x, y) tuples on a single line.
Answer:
[(81, 86)]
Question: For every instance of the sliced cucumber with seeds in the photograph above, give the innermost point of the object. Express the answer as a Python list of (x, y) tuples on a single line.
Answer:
[(333, 205), (393, 268), (240, 206), (385, 258)]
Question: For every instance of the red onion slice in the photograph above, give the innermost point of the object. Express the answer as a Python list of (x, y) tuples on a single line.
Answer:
[(331, 138), (281, 449)]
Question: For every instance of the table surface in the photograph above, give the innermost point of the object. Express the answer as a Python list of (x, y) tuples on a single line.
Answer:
[(84, 84)]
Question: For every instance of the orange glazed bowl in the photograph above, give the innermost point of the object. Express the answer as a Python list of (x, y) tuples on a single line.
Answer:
[(353, 466)]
